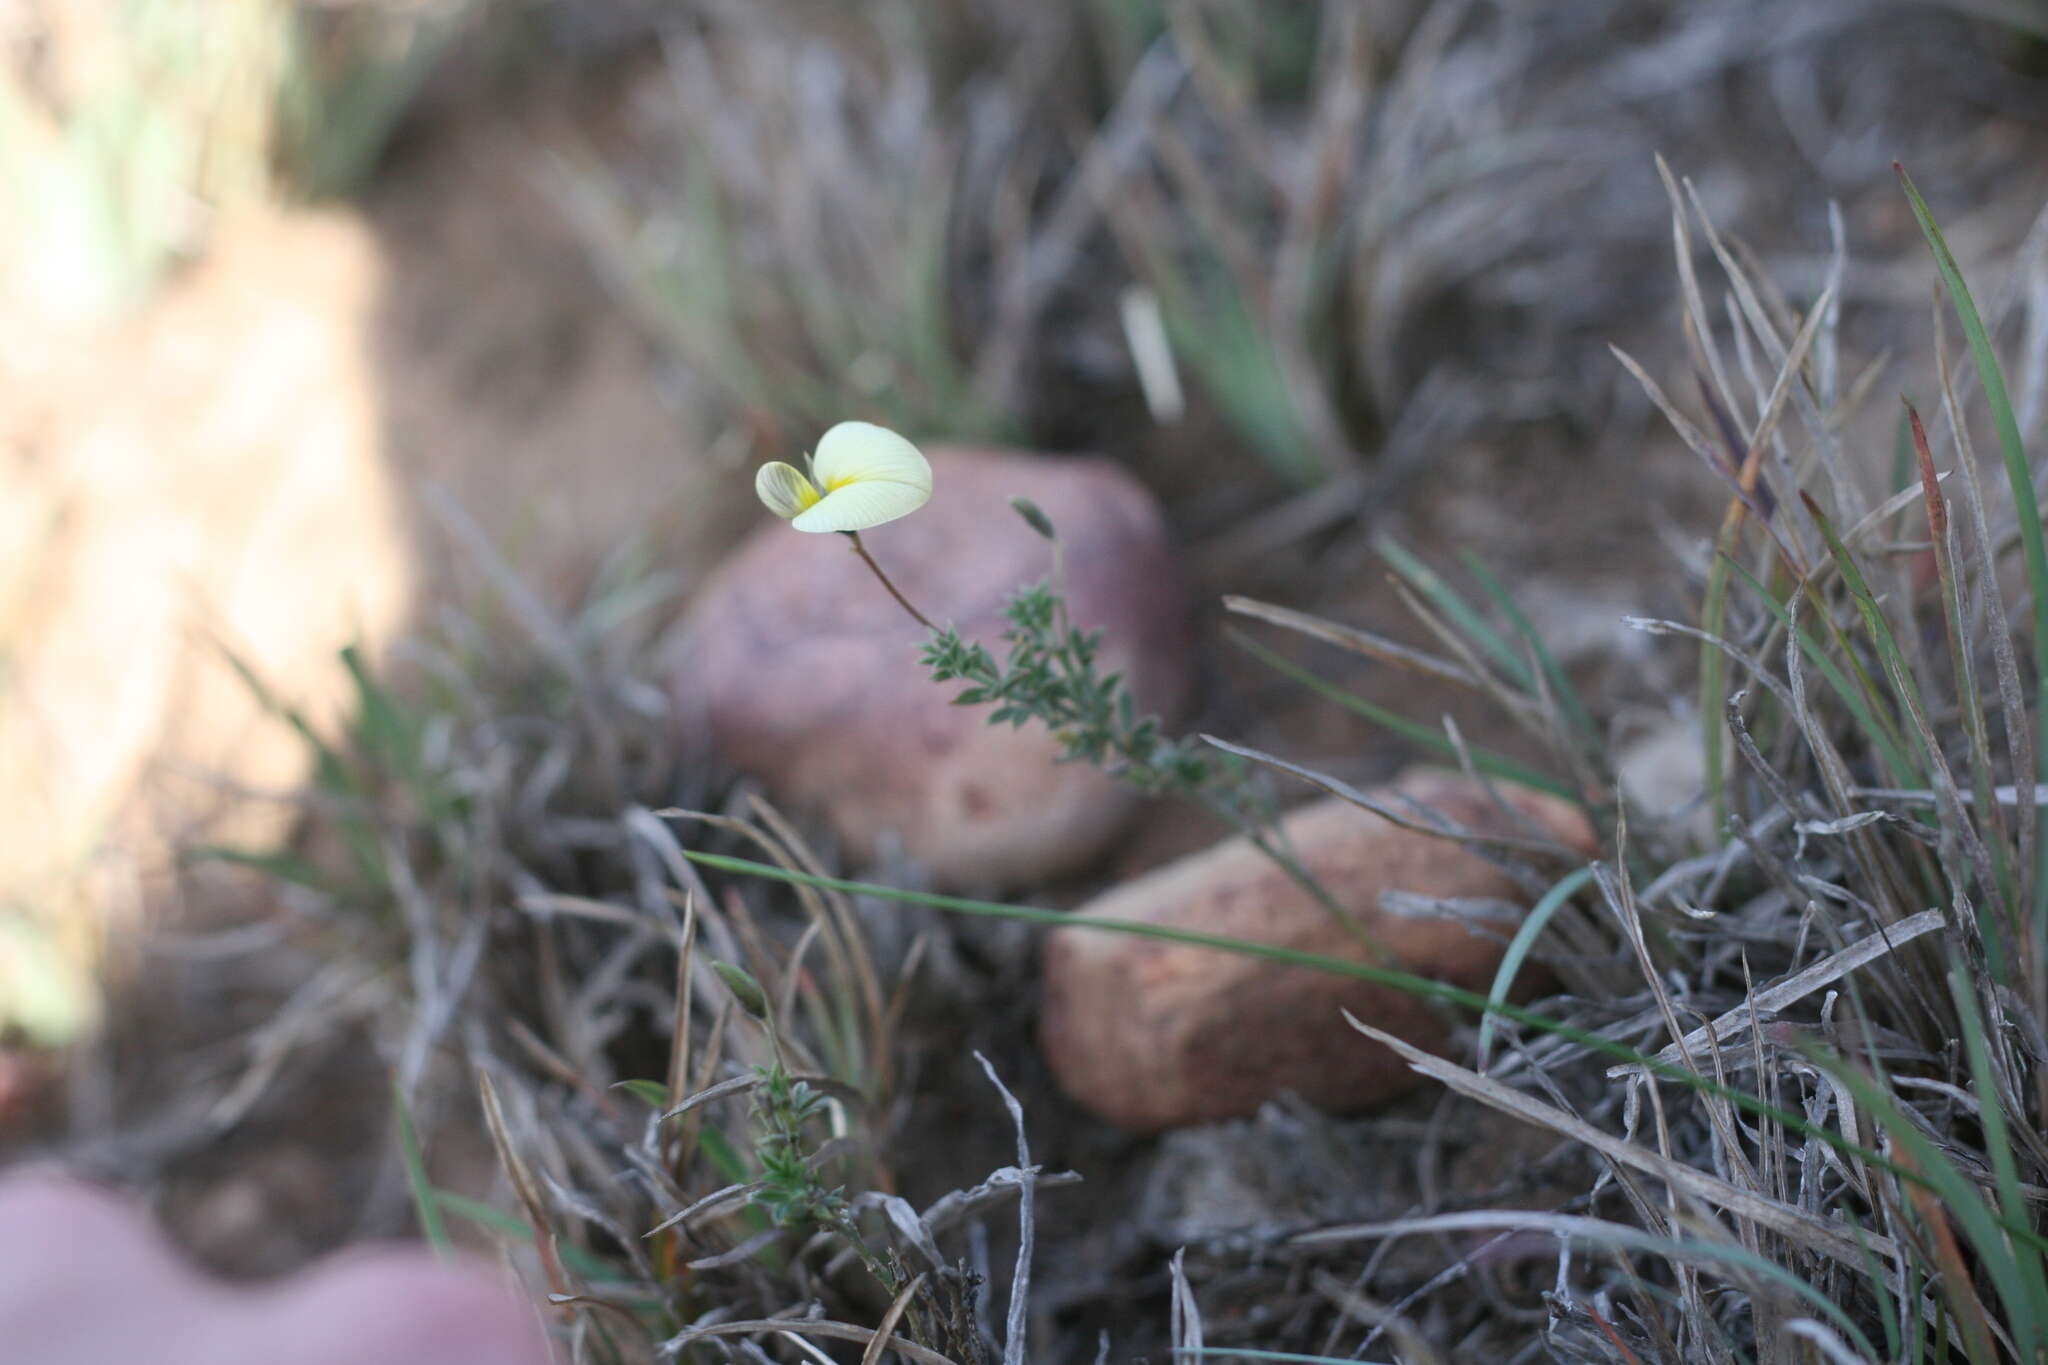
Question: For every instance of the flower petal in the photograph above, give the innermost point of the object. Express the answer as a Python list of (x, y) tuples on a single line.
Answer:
[(785, 489), (861, 452), (857, 506)]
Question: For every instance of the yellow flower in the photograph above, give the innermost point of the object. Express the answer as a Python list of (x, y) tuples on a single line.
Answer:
[(867, 474)]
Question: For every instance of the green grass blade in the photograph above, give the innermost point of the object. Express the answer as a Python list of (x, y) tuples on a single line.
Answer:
[(1577, 714), (1878, 727), (1493, 765), (2017, 473), (1904, 688), (1906, 691), (1887, 1309), (1971, 703), (652, 1093), (1456, 610), (283, 867), (1957, 1192), (1294, 957), (1520, 945), (1713, 695), (1902, 457), (724, 1158), (585, 1263), (432, 1226), (2027, 1267)]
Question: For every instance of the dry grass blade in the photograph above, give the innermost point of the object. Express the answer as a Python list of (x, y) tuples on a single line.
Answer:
[(885, 1330), (1353, 639), (1448, 829), (1755, 666), (845, 942), (1619, 892), (1995, 622), (647, 826), (523, 1185), (740, 1085), (1020, 1287), (1705, 1252), (718, 1201), (679, 1144), (1185, 1325), (1801, 984), (1823, 1236), (1526, 712), (837, 1331), (1745, 284), (1699, 331), (737, 1085), (1695, 439), (582, 907)]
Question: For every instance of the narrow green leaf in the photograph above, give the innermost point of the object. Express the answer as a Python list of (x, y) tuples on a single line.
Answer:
[(1493, 765), (585, 1263), (281, 866), (1456, 609), (1887, 1309), (2026, 1261), (1576, 712), (1981, 1226), (1519, 946), (432, 1227), (1904, 688), (1881, 732), (1294, 957), (1713, 694), (2017, 473), (653, 1092), (724, 1157)]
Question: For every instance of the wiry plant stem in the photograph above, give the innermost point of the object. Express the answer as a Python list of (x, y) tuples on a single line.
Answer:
[(854, 538)]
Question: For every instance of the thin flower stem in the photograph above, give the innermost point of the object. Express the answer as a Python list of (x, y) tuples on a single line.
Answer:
[(901, 600)]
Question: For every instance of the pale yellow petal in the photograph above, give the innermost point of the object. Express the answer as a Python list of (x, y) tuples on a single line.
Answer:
[(785, 489), (857, 506), (861, 452)]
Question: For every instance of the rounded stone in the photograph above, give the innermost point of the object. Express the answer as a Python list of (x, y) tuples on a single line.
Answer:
[(1153, 1035), (798, 668)]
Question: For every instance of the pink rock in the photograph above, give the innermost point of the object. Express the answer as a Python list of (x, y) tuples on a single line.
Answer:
[(1152, 1035), (800, 670)]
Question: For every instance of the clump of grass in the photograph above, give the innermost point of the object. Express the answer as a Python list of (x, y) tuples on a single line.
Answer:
[(1816, 1127), (693, 1103), (803, 260)]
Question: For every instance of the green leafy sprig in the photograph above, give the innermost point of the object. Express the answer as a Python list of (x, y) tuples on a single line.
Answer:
[(1052, 676)]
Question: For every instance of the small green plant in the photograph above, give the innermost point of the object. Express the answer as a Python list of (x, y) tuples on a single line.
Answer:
[(790, 1189), (1051, 675), (785, 1107)]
